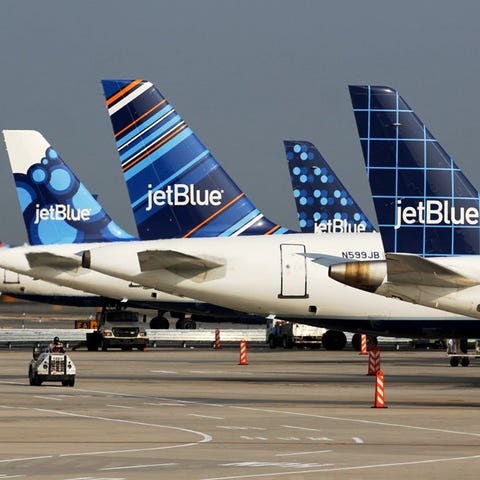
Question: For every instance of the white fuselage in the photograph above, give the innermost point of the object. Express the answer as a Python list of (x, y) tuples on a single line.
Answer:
[(264, 275), (15, 260), (24, 286)]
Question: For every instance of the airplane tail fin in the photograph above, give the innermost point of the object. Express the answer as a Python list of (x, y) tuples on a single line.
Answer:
[(56, 206), (323, 203), (176, 186), (425, 205)]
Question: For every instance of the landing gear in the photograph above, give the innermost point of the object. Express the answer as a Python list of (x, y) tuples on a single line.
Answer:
[(334, 340), (458, 345), (159, 323), (185, 323)]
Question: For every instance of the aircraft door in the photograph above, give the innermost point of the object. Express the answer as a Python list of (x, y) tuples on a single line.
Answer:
[(293, 271)]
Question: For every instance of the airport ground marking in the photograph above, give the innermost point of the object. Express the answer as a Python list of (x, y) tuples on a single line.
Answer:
[(340, 469), (205, 416), (357, 420), (204, 436), (131, 467), (22, 459), (302, 453), (48, 398)]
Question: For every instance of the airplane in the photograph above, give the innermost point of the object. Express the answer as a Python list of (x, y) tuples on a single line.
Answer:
[(428, 211), (323, 204), (284, 275), (179, 162), (58, 208)]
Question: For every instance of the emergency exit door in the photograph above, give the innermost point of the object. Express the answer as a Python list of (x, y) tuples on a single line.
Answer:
[(293, 271)]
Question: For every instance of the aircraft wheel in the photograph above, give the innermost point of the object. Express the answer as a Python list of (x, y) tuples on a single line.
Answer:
[(465, 362), (334, 340), (454, 361), (159, 323)]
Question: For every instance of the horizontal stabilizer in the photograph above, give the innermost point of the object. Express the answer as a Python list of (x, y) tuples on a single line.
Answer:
[(175, 262), (408, 268), (52, 260), (327, 260)]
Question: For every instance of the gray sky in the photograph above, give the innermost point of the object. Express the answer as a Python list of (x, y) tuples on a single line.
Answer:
[(244, 74)]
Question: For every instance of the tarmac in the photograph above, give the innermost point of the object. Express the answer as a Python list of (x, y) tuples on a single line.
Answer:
[(195, 413)]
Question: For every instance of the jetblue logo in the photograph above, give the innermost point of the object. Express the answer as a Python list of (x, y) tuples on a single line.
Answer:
[(435, 212), (181, 194), (337, 225), (60, 212)]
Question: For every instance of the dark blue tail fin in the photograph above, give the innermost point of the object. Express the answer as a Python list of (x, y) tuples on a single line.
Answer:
[(56, 206), (176, 187), (323, 203), (424, 203)]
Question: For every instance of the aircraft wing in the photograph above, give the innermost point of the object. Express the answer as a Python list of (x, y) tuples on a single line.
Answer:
[(53, 260), (409, 268), (176, 262)]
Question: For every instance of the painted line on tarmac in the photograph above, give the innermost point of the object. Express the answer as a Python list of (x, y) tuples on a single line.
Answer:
[(205, 416), (286, 412), (356, 420), (48, 398), (344, 469), (145, 397), (139, 466), (302, 453), (21, 459)]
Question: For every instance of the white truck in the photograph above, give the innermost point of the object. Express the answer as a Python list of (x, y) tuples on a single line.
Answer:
[(290, 334), (118, 329)]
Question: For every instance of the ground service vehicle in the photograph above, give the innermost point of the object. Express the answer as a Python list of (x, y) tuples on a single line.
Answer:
[(118, 329), (51, 367), (290, 334)]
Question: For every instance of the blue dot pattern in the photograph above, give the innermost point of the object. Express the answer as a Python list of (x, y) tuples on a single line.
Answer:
[(57, 208), (319, 195)]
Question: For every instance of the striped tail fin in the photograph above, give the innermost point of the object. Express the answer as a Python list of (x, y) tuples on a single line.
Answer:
[(176, 186)]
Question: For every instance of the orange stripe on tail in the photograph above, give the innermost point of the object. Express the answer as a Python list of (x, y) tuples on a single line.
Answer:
[(121, 92), (218, 212)]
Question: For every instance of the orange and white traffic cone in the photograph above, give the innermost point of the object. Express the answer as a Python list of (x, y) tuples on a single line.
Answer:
[(216, 345), (243, 353), (379, 391), (373, 361), (363, 345)]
